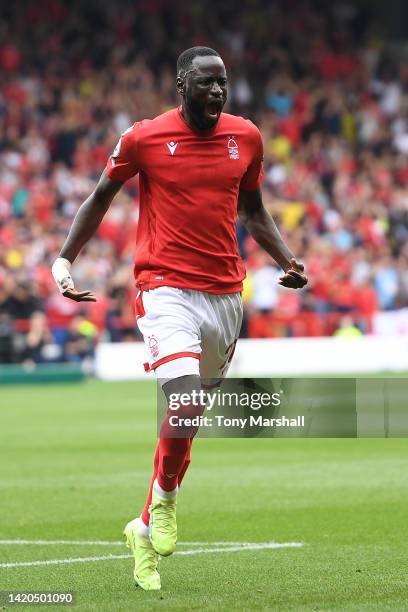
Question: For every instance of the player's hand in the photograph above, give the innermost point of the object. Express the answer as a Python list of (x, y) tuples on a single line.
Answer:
[(79, 296), (61, 271), (294, 278)]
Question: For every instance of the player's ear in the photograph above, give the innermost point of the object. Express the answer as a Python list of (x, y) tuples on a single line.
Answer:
[(180, 85)]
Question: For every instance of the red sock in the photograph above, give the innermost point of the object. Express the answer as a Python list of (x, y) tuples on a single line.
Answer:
[(186, 464), (171, 461), (145, 516), (172, 456), (174, 448)]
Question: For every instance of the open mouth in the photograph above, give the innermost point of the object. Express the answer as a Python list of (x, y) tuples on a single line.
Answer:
[(213, 109)]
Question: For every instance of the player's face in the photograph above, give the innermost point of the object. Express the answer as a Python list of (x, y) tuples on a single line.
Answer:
[(205, 91)]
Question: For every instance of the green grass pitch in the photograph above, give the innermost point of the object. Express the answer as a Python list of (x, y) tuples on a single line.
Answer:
[(75, 464)]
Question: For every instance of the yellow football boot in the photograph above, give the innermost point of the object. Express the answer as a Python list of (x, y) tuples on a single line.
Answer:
[(163, 524), (146, 558)]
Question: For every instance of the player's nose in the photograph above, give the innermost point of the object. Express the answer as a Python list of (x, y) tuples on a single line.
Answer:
[(216, 90)]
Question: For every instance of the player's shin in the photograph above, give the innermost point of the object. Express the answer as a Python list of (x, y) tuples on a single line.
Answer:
[(187, 462), (145, 515), (175, 446), (174, 458)]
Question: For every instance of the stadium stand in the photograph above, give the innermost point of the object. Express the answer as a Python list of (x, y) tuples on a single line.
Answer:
[(322, 84)]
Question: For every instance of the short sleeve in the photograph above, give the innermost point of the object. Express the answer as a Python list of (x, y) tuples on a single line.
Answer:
[(123, 163), (252, 178)]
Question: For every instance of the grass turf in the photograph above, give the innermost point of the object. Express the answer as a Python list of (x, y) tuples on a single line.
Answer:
[(75, 463)]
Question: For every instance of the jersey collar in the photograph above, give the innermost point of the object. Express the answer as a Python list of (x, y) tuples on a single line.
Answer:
[(207, 133)]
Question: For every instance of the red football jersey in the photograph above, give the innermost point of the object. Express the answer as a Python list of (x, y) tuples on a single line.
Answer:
[(189, 187)]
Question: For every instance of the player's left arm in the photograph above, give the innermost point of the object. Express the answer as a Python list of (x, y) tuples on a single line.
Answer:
[(259, 223)]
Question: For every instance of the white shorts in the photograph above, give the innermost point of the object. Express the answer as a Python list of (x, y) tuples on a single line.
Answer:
[(188, 332)]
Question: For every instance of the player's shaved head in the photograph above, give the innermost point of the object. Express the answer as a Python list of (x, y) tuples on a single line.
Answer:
[(185, 59), (202, 84)]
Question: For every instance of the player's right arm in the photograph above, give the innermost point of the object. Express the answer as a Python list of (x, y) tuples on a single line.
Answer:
[(121, 166), (84, 226)]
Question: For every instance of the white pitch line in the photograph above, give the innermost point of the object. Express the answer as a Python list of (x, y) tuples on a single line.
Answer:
[(63, 561), (248, 546), (198, 551), (105, 543)]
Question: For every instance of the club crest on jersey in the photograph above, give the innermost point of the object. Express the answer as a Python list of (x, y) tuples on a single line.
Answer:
[(233, 148), (153, 346)]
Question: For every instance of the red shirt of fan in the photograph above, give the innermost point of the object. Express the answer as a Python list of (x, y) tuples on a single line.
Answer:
[(189, 186)]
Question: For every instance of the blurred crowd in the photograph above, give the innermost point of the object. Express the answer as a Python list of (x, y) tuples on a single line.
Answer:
[(321, 81)]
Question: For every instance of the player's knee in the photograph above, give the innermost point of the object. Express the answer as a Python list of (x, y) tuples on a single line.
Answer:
[(182, 385)]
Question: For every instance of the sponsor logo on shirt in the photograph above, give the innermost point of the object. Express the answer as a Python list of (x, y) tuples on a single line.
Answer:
[(233, 148), (172, 147)]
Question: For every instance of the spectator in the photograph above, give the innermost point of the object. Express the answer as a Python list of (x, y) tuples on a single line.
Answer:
[(333, 112), (38, 336)]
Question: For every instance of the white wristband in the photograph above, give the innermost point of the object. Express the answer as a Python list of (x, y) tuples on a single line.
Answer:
[(61, 271)]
